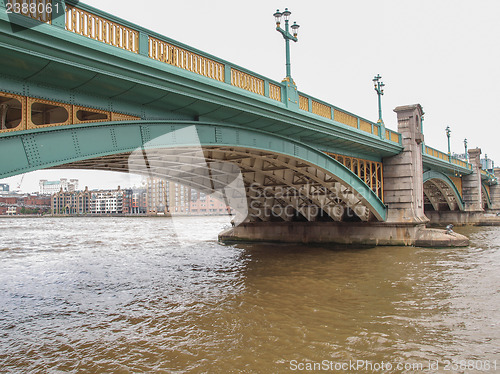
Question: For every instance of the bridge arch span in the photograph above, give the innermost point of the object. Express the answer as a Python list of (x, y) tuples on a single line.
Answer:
[(485, 197), (440, 192), (276, 171)]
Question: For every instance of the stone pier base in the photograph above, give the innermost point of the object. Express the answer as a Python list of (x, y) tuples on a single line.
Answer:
[(363, 234), (481, 218)]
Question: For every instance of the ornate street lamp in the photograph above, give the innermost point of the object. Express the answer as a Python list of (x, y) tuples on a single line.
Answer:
[(466, 153), (448, 132), (379, 87), (287, 36)]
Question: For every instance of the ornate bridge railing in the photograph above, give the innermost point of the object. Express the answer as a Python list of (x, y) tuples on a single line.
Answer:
[(331, 112), (488, 177), (184, 59), (445, 157), (102, 29)]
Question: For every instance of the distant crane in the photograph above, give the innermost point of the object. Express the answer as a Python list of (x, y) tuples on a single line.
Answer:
[(19, 184)]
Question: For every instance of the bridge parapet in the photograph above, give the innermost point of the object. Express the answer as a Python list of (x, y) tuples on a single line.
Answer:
[(102, 29), (310, 104), (488, 177), (445, 157)]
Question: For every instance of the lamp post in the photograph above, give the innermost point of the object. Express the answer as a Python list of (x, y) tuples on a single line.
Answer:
[(448, 132), (379, 87), (486, 161), (466, 154), (287, 36)]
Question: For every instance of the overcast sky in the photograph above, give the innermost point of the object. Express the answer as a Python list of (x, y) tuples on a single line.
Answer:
[(442, 54)]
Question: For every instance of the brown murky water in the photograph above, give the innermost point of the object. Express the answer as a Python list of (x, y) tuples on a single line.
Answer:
[(151, 295)]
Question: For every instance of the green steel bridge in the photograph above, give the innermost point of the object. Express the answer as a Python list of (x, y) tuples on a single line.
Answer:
[(81, 88)]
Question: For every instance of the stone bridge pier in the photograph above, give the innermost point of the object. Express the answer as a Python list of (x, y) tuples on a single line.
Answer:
[(403, 196), (404, 187), (403, 173), (471, 184), (495, 193)]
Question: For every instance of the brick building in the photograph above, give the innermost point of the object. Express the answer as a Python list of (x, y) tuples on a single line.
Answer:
[(203, 204), (66, 202), (24, 204), (156, 190), (179, 198)]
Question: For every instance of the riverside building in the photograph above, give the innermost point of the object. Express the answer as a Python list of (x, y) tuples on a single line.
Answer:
[(52, 187), (66, 202)]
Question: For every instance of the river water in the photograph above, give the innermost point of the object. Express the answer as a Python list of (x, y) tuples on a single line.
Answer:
[(132, 295)]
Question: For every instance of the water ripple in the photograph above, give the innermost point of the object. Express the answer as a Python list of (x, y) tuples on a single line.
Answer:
[(156, 295)]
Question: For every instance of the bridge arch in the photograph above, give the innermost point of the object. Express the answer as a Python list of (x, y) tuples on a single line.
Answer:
[(485, 197), (441, 192), (202, 155)]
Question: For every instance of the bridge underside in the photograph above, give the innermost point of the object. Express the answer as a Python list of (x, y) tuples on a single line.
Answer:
[(438, 196), (272, 187), (485, 197), (440, 193)]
